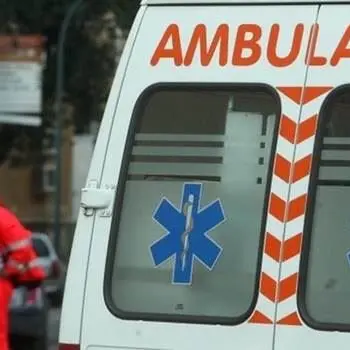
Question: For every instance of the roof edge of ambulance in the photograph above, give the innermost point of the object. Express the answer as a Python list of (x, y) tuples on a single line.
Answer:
[(245, 2)]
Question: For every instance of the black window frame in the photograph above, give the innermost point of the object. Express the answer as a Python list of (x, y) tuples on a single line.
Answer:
[(138, 109), (324, 117)]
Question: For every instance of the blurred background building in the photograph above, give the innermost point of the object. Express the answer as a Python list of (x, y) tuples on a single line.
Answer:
[(94, 44), (29, 62)]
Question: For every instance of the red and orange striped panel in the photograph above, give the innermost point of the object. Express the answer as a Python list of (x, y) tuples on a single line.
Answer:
[(285, 221)]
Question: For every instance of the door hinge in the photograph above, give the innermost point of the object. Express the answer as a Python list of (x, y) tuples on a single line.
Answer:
[(94, 198)]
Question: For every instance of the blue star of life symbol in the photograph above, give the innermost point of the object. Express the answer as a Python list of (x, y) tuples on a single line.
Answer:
[(187, 233)]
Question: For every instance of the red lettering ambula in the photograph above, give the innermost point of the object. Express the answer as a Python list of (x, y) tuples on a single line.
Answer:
[(247, 38)]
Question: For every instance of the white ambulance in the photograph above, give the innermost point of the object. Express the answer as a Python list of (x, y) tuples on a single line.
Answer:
[(216, 213)]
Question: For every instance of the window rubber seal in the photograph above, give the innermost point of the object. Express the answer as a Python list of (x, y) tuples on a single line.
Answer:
[(140, 105)]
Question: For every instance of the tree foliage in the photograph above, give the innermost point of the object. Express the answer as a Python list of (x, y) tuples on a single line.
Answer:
[(90, 52)]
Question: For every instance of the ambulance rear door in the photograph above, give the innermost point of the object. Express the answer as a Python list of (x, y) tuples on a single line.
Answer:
[(317, 314), (192, 241)]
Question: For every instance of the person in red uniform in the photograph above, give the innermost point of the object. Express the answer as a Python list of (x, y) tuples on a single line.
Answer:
[(18, 265)]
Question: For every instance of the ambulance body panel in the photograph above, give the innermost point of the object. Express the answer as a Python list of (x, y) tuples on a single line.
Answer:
[(70, 329), (324, 298), (213, 174)]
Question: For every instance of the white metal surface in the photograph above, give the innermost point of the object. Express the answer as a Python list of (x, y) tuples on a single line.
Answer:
[(140, 75), (73, 300), (288, 338), (85, 317), (82, 152)]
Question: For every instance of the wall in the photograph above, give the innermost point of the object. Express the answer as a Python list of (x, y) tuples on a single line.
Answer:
[(21, 188)]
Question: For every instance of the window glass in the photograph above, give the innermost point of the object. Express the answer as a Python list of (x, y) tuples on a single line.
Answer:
[(327, 284), (190, 220), (40, 247)]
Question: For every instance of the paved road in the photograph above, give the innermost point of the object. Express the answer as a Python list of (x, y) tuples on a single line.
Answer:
[(54, 319)]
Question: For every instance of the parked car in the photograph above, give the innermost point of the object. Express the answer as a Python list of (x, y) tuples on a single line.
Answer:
[(28, 318), (29, 308), (55, 268)]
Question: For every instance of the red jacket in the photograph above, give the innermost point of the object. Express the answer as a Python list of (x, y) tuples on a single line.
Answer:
[(19, 260)]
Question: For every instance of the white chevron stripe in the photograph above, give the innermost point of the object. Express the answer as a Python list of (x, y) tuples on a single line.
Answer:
[(289, 108), (280, 187), (274, 227), (294, 227), (304, 149), (286, 307), (311, 108), (306, 115), (299, 188), (270, 267), (290, 267), (266, 307), (285, 149)]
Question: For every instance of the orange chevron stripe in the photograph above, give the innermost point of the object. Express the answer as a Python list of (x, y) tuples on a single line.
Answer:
[(282, 168), (287, 287), (290, 320), (288, 129), (301, 95), (268, 287), (296, 207), (272, 247), (292, 247), (258, 317), (277, 207), (302, 168), (292, 92), (307, 129), (312, 92)]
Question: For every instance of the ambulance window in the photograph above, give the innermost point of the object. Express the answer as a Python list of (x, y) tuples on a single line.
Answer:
[(188, 226), (325, 292)]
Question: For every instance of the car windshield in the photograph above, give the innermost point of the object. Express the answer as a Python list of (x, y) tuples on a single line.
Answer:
[(40, 247)]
